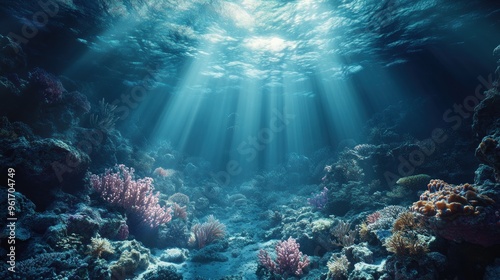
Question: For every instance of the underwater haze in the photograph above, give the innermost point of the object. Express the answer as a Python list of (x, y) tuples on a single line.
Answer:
[(211, 139)]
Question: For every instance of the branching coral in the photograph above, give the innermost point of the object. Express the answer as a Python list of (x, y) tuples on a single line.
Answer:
[(337, 267), (406, 244), (381, 222), (289, 260), (343, 234), (319, 200), (99, 246), (136, 196)]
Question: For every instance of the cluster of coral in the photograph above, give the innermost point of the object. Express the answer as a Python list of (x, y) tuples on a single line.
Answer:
[(92, 204), (448, 201)]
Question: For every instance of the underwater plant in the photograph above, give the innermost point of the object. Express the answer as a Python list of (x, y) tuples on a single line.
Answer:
[(404, 244), (99, 246), (135, 196), (319, 200), (408, 221), (337, 267), (343, 234), (289, 260), (105, 118), (179, 211), (208, 232)]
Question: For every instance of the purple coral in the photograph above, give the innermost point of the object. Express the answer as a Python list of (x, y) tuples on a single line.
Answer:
[(289, 260), (136, 196), (320, 200), (48, 86)]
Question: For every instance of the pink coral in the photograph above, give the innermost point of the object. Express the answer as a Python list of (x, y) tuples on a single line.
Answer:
[(208, 232), (136, 196), (289, 260)]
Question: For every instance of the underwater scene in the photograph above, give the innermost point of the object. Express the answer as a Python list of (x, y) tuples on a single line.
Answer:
[(247, 139)]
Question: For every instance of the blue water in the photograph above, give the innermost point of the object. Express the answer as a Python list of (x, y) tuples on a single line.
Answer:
[(257, 98)]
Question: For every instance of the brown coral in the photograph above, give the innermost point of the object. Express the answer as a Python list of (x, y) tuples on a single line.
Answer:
[(406, 222), (406, 244)]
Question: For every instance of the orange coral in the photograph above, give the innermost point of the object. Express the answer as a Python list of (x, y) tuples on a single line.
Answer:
[(448, 201)]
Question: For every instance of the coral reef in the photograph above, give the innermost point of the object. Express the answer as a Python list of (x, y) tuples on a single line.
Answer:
[(207, 232), (163, 272), (486, 126), (12, 56), (133, 257), (289, 260), (403, 244), (104, 118), (66, 129), (42, 164), (47, 87), (337, 267), (320, 200), (488, 152), (381, 222), (486, 114), (179, 198), (459, 213), (414, 182), (429, 266), (448, 202), (99, 246), (211, 253), (173, 234), (135, 196)]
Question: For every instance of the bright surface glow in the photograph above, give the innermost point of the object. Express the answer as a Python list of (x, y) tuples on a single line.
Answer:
[(227, 67), (240, 17), (269, 44)]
